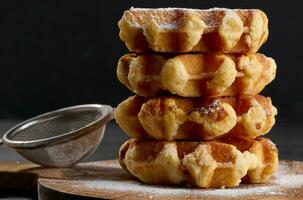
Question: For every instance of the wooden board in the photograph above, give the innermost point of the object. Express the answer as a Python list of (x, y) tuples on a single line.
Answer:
[(105, 179)]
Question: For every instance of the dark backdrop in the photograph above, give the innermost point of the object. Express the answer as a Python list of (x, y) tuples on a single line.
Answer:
[(61, 53)]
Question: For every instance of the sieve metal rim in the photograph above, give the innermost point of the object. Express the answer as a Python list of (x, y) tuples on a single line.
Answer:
[(106, 115)]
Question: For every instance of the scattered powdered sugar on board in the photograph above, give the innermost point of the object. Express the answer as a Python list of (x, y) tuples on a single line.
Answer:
[(107, 179), (158, 190), (273, 187)]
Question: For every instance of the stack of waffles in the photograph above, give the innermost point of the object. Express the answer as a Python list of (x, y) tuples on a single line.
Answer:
[(196, 118)]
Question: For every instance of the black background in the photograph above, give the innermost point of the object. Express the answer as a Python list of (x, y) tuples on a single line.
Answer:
[(62, 53)]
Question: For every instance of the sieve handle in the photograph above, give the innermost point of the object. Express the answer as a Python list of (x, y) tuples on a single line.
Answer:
[(1, 141)]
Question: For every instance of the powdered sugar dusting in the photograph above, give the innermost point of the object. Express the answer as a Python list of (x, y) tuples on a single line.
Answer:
[(166, 18), (170, 26), (185, 9), (214, 106)]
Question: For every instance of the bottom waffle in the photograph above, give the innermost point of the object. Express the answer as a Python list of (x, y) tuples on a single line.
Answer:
[(213, 164)]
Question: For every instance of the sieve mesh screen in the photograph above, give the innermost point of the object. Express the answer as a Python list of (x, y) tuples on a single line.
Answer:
[(54, 126)]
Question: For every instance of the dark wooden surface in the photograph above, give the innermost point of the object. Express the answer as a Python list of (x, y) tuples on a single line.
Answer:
[(289, 140)]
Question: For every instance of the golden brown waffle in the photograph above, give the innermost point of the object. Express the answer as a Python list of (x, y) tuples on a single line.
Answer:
[(175, 117), (193, 30), (214, 164), (196, 75)]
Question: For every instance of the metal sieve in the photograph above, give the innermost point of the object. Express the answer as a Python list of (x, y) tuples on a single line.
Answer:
[(60, 138)]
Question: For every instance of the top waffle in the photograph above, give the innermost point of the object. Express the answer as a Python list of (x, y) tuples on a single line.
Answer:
[(193, 30)]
